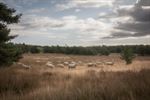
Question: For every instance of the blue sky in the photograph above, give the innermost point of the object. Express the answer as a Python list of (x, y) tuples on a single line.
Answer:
[(81, 22)]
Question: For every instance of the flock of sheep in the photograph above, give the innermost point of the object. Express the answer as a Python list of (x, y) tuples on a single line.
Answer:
[(62, 65), (69, 64), (73, 64)]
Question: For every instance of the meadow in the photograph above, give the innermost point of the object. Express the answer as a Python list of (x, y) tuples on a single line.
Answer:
[(103, 82)]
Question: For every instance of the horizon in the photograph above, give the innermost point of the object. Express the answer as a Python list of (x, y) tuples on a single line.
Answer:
[(81, 22), (81, 45)]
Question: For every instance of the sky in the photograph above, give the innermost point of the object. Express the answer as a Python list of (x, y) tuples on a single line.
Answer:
[(81, 22)]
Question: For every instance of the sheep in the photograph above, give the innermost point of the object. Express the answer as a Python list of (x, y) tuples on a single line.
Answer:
[(72, 65), (109, 63), (60, 65), (66, 63), (91, 65), (25, 66), (50, 65)]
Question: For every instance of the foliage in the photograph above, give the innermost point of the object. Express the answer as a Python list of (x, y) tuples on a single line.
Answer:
[(34, 49), (127, 55), (142, 50), (8, 52)]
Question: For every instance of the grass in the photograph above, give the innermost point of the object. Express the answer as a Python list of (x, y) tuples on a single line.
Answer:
[(17, 82), (92, 85)]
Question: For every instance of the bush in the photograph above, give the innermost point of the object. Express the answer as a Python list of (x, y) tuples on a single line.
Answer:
[(127, 55)]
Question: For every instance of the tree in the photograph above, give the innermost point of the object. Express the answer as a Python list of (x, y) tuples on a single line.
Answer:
[(8, 51), (104, 51), (34, 49), (127, 55)]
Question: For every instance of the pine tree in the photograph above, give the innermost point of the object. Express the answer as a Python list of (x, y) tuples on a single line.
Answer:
[(8, 51)]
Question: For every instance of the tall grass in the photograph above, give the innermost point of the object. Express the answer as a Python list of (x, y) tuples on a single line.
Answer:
[(17, 82), (90, 86)]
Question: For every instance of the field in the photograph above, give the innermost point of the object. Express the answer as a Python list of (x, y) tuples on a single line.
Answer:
[(103, 82)]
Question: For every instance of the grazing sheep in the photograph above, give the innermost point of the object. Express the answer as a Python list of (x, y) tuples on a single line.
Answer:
[(109, 63), (24, 66), (66, 63), (91, 65), (72, 65), (60, 65), (50, 65)]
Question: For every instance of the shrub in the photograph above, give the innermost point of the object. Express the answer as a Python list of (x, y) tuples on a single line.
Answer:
[(127, 55)]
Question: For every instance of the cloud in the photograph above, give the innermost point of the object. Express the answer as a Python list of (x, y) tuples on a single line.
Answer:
[(34, 22), (78, 24), (36, 10), (137, 24), (77, 10), (39, 22), (107, 15), (67, 29), (144, 2), (84, 4)]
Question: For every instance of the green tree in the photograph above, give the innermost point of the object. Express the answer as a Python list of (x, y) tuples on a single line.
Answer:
[(127, 55), (8, 51), (104, 51), (34, 49)]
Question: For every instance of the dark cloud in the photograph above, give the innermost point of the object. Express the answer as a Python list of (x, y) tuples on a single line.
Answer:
[(138, 13), (125, 34), (144, 2), (139, 26)]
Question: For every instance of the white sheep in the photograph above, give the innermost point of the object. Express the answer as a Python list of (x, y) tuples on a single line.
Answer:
[(50, 65), (91, 65), (66, 63), (109, 63), (72, 65), (24, 66), (60, 65)]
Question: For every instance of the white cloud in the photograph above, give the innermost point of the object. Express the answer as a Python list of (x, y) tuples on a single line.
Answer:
[(33, 22), (85, 4), (77, 10), (37, 10), (69, 28)]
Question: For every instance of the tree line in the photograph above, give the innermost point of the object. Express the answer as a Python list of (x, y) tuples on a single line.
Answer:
[(142, 50)]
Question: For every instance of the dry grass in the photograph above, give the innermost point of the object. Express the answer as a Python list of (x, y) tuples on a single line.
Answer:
[(41, 83), (89, 86), (16, 82)]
